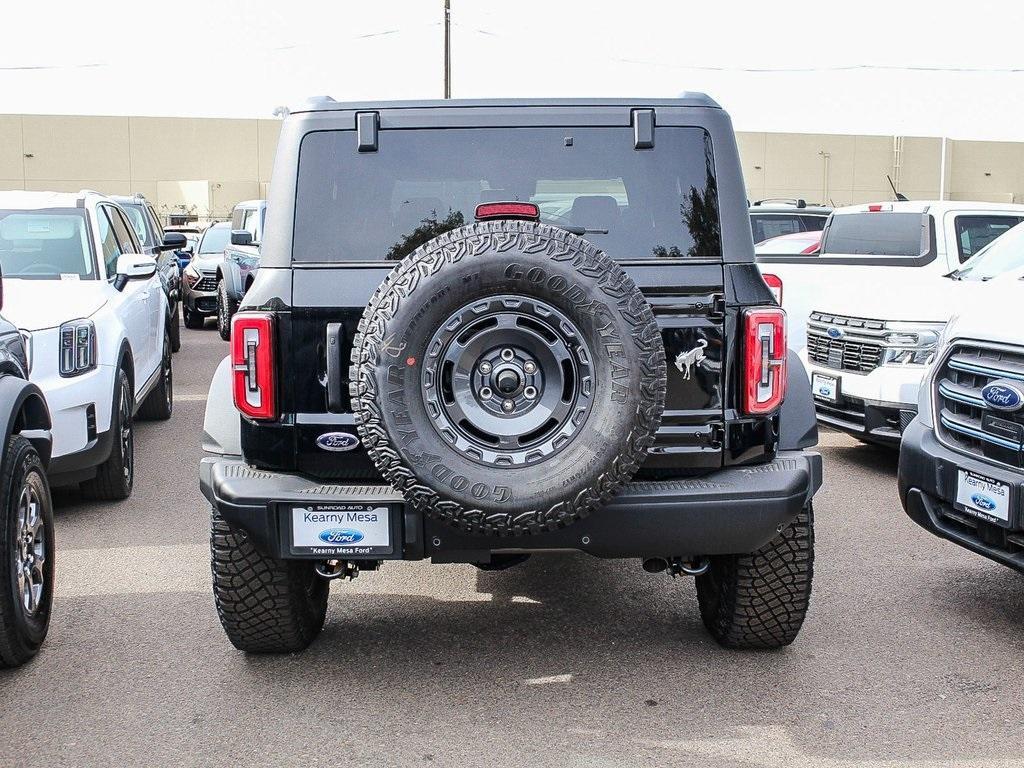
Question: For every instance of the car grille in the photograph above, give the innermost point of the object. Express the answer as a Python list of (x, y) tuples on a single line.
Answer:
[(207, 284), (963, 420), (859, 349)]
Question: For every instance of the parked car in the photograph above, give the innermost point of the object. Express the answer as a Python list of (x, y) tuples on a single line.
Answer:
[(868, 345), (429, 364), (192, 233), (241, 260), (779, 216), (164, 248), (902, 246), (795, 244), (95, 316), (961, 471), (202, 276), (26, 510)]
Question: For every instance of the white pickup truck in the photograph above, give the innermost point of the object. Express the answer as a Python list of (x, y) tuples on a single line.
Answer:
[(875, 301)]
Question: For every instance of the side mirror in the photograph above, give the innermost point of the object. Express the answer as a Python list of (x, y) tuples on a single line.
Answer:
[(174, 241), (241, 237), (133, 266)]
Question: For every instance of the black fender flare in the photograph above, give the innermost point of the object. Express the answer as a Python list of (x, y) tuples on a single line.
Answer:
[(232, 277), (798, 424), (27, 413)]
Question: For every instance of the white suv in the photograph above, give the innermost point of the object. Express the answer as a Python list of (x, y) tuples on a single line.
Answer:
[(870, 307), (94, 314)]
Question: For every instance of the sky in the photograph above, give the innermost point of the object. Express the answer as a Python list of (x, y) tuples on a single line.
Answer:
[(904, 67)]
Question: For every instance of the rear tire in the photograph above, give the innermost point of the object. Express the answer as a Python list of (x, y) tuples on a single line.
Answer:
[(116, 476), (760, 600), (159, 404), (174, 327), (265, 605), (193, 320), (26, 551), (226, 308)]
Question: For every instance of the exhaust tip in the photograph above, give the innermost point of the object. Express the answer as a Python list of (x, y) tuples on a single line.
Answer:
[(655, 564)]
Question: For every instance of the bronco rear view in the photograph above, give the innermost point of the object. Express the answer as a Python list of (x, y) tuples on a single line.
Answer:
[(487, 330)]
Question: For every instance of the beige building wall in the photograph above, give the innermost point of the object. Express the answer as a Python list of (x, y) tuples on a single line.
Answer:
[(203, 166)]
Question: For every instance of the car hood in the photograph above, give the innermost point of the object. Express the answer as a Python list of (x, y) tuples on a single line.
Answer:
[(996, 318), (34, 305), (915, 299), (207, 261)]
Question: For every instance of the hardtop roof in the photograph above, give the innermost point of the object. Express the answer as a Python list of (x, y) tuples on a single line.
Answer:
[(327, 104)]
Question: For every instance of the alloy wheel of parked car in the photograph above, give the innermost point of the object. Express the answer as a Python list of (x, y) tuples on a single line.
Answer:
[(116, 476), (26, 534), (127, 437)]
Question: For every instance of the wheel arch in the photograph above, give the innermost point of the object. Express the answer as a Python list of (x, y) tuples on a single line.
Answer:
[(28, 415), (798, 424)]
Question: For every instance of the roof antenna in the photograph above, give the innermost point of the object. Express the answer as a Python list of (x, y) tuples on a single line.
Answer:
[(899, 196)]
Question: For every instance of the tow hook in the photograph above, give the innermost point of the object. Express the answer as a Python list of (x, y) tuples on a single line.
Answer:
[(337, 569), (678, 566)]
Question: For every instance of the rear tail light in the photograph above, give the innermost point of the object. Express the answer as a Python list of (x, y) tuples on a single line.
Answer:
[(775, 286), (252, 364), (512, 210), (764, 352)]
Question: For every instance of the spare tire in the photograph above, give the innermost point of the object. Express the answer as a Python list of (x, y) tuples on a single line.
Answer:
[(508, 377)]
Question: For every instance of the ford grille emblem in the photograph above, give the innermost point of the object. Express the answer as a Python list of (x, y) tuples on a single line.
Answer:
[(835, 333), (983, 502), (1003, 396), (337, 441)]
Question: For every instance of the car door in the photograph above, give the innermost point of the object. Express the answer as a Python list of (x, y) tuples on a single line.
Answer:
[(133, 303)]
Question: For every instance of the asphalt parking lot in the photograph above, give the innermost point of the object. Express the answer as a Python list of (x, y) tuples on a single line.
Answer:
[(912, 652)]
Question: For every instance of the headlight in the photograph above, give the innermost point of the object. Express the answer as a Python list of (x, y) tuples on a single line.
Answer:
[(191, 275), (911, 343), (77, 347)]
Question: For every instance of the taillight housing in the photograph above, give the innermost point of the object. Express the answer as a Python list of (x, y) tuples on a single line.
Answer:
[(774, 283), (764, 356), (253, 365)]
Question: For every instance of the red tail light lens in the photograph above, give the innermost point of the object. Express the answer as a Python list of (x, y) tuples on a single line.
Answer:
[(775, 286), (252, 364), (513, 210), (764, 353)]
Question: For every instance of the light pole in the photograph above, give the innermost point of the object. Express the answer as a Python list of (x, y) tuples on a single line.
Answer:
[(447, 49)]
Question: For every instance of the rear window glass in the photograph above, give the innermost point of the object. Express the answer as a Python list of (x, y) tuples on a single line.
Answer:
[(877, 234), (766, 226), (645, 204)]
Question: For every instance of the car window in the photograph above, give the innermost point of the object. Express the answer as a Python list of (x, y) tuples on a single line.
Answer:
[(250, 223), (154, 222), (877, 233), (123, 231), (655, 203), (1003, 254), (975, 232), (46, 244), (215, 240), (138, 222), (813, 223), (768, 225), (109, 245)]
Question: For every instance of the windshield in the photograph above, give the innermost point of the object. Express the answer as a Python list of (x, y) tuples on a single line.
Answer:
[(1004, 253), (46, 244), (660, 202), (138, 222), (215, 240), (877, 234)]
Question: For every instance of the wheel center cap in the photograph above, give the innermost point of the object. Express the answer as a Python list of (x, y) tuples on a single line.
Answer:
[(507, 382)]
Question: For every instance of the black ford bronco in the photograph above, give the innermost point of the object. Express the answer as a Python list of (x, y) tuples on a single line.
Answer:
[(484, 330)]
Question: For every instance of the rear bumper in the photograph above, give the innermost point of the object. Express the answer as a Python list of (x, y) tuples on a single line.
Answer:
[(928, 474), (735, 510)]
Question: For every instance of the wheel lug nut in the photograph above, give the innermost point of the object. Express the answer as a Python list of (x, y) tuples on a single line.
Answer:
[(507, 354), (485, 368), (507, 405), (530, 392), (486, 393), (530, 367)]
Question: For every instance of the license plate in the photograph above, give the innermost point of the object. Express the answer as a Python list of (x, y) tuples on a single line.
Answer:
[(982, 496), (339, 530), (825, 387)]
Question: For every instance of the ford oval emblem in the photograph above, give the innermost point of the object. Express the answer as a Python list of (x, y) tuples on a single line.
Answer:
[(337, 441), (980, 500), (835, 333), (341, 536), (1003, 396)]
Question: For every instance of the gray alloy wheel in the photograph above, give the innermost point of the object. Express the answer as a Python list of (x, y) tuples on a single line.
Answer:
[(30, 551)]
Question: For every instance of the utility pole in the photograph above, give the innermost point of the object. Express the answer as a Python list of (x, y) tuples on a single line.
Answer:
[(447, 49)]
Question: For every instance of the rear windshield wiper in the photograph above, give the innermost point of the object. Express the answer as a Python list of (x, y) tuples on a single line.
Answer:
[(578, 230)]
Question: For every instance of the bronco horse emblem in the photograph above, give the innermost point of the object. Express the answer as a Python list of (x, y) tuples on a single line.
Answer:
[(686, 360)]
